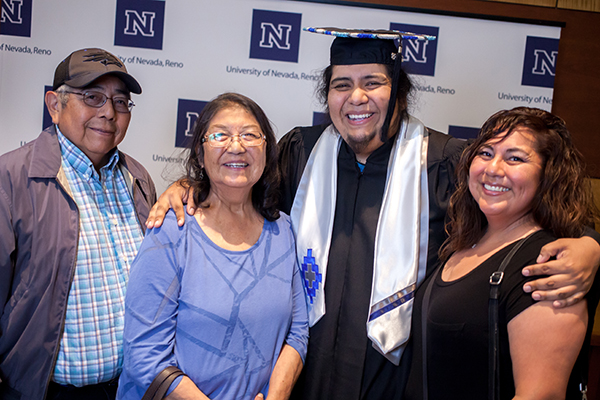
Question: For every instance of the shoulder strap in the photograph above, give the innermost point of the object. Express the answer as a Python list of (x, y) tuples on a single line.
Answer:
[(494, 337), (424, 313), (159, 386)]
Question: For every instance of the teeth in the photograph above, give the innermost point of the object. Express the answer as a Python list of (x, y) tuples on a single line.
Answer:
[(356, 117), (236, 165), (495, 188)]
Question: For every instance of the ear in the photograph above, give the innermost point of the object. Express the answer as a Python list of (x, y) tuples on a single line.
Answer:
[(53, 104)]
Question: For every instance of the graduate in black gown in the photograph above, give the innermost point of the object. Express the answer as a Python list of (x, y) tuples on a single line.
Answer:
[(342, 362), (356, 91)]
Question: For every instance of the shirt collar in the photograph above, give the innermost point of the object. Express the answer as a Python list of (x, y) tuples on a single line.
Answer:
[(81, 162)]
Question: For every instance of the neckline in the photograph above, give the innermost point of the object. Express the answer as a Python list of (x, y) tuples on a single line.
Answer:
[(505, 249), (216, 246)]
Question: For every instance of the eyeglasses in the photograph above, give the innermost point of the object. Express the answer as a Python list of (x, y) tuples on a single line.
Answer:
[(220, 139), (97, 99)]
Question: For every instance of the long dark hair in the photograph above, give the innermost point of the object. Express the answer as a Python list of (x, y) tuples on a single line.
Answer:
[(563, 203), (264, 192)]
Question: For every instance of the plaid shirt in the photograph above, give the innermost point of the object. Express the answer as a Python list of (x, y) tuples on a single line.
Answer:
[(109, 237)]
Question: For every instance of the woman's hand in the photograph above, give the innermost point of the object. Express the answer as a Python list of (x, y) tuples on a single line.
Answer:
[(286, 372), (174, 197), (571, 273)]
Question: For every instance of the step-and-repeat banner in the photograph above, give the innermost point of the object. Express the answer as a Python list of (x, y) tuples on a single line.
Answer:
[(186, 52)]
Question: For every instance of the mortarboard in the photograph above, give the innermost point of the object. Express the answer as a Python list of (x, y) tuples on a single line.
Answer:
[(369, 46)]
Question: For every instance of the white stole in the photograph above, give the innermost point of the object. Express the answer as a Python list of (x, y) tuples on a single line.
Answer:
[(400, 242)]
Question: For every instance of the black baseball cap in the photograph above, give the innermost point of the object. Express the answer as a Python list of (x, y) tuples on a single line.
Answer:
[(84, 66)]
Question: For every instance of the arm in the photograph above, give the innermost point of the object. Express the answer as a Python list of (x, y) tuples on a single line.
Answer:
[(186, 390), (544, 344), (284, 375), (572, 272), (290, 361), (7, 247), (174, 197), (151, 312)]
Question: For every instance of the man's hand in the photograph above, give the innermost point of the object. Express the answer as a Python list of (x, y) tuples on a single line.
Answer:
[(571, 273), (174, 197)]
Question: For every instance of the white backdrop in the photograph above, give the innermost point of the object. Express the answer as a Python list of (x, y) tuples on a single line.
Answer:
[(479, 65)]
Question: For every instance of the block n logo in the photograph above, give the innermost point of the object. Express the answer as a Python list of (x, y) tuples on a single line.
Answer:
[(275, 35), (539, 64), (140, 24), (46, 118), (463, 132), (320, 118), (188, 112), (418, 56), (15, 18)]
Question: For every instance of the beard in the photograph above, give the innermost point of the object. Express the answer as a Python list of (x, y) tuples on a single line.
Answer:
[(361, 143)]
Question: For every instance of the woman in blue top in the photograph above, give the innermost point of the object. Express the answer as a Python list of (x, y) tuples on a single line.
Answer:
[(220, 297)]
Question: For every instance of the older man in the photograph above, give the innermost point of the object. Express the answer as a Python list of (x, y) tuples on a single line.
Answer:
[(71, 213), (368, 196)]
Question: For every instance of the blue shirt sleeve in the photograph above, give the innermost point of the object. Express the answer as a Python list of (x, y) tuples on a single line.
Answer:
[(151, 306), (298, 335)]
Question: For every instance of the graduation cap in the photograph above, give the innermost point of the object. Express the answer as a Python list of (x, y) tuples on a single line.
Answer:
[(370, 46)]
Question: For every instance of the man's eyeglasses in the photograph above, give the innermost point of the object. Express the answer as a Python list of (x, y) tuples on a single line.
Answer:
[(220, 139), (97, 99)]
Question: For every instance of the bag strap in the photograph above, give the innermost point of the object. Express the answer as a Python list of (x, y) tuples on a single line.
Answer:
[(161, 383), (494, 336), (424, 312)]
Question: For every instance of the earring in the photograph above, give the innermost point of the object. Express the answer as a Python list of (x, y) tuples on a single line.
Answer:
[(201, 173)]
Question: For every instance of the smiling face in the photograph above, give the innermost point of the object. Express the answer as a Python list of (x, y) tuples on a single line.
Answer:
[(95, 131), (505, 175), (234, 166), (358, 99)]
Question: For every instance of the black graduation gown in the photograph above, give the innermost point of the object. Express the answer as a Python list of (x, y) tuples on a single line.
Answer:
[(341, 362)]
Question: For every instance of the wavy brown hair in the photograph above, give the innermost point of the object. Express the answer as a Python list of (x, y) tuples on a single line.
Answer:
[(265, 194), (563, 203)]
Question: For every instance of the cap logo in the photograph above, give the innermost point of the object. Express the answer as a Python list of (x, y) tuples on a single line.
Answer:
[(103, 58)]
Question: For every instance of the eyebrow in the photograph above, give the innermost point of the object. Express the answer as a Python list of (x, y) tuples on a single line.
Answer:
[(510, 150), (225, 127), (96, 87), (366, 77)]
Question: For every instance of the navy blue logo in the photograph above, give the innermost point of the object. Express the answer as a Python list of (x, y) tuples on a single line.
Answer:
[(320, 118), (275, 35), (418, 56), (463, 132), (103, 58), (188, 112), (311, 275), (539, 65), (47, 119), (15, 18), (140, 24)]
